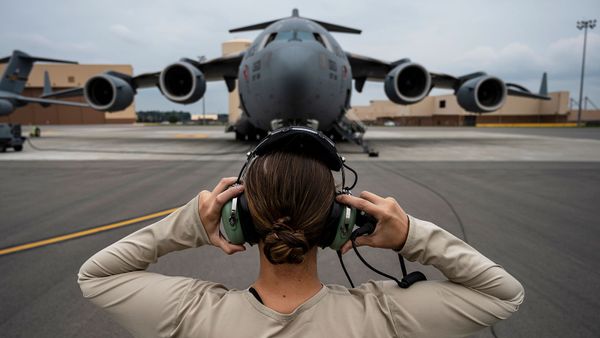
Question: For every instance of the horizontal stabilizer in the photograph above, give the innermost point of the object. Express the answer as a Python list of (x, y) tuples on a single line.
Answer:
[(36, 58), (514, 89), (295, 14), (336, 28), (254, 27), (26, 57)]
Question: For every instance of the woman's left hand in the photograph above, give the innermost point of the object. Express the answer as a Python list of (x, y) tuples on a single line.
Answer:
[(210, 204)]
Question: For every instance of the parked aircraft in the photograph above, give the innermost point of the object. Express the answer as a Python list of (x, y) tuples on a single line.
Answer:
[(296, 73), (14, 78)]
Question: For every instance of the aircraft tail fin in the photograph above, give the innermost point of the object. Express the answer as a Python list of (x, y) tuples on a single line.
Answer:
[(295, 14), (17, 71), (544, 85)]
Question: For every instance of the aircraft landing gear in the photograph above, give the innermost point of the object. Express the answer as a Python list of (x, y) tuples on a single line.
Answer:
[(240, 137), (354, 131), (253, 135)]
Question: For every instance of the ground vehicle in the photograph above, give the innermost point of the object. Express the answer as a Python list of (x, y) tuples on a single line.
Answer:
[(10, 137)]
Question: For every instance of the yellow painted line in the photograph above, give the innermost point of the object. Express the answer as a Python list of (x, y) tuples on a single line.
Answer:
[(82, 233), (191, 135), (528, 125)]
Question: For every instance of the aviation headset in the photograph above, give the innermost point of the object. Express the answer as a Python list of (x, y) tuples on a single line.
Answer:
[(235, 215), (237, 221)]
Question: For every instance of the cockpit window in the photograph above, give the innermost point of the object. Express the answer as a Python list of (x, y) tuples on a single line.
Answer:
[(305, 36), (297, 36), (286, 36), (270, 39), (319, 39)]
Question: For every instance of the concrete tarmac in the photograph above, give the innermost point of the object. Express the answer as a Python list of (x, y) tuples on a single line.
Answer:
[(532, 210)]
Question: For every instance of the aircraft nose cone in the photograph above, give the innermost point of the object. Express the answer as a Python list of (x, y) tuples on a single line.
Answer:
[(295, 68)]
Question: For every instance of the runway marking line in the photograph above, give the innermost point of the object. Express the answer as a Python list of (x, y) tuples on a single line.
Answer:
[(87, 232), (528, 125), (192, 136)]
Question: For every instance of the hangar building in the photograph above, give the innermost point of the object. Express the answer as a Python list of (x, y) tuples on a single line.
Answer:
[(443, 110)]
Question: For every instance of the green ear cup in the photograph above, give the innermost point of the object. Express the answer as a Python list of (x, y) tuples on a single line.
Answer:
[(231, 222), (344, 229)]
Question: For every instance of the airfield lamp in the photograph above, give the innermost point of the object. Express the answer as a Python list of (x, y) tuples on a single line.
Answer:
[(584, 24)]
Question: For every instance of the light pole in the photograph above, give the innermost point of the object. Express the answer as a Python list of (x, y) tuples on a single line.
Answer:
[(585, 24), (204, 110)]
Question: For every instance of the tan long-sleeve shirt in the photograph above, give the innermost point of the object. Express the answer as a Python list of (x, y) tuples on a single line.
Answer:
[(477, 294)]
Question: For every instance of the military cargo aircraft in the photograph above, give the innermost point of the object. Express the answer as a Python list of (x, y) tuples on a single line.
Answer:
[(296, 73), (14, 78)]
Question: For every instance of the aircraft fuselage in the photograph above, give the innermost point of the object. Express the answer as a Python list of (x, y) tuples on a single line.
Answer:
[(294, 72)]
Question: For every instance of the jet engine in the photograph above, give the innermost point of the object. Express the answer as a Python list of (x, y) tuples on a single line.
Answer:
[(107, 92), (182, 82), (408, 83), (6, 107), (482, 94)]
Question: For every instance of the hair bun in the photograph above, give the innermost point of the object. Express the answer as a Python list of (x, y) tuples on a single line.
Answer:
[(284, 245)]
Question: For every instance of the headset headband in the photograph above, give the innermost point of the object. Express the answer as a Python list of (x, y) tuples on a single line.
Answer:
[(301, 140)]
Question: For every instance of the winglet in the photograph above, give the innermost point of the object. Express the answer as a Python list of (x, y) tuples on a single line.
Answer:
[(544, 85), (47, 84)]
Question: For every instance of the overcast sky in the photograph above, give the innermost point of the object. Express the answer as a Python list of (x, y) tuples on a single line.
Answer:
[(515, 40)]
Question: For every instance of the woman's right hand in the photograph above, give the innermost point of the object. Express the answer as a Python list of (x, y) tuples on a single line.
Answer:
[(391, 230), (210, 204)]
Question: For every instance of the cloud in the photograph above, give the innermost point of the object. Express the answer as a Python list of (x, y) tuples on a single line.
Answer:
[(566, 53), (517, 61), (454, 37), (507, 56), (124, 33), (40, 44), (38, 40)]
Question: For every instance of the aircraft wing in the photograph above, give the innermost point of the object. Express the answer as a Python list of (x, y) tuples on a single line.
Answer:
[(366, 68), (71, 92), (221, 68), (47, 101)]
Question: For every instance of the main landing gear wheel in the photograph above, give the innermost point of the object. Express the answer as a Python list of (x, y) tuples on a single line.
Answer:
[(239, 136)]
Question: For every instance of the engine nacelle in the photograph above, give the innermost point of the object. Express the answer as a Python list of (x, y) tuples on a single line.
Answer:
[(408, 83), (182, 82), (482, 94), (6, 107), (107, 92)]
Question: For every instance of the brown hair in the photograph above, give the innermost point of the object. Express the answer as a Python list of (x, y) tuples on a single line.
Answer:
[(289, 196)]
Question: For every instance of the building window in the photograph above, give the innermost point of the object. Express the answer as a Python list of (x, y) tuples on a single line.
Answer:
[(442, 103), (71, 79)]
